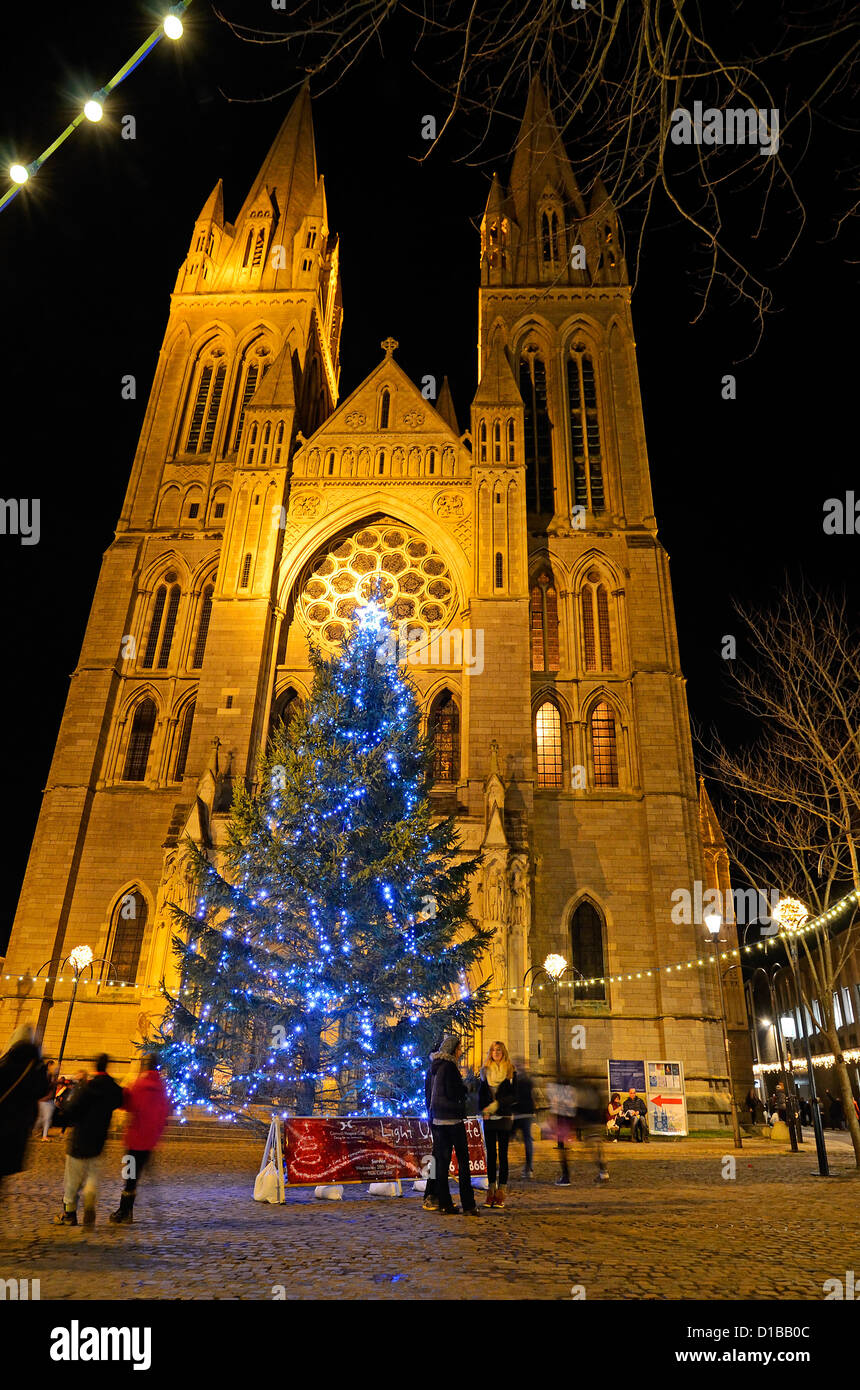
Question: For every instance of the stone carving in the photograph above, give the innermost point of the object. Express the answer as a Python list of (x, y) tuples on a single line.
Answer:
[(449, 504), (496, 896), (307, 505), (520, 895), (355, 419), (411, 418)]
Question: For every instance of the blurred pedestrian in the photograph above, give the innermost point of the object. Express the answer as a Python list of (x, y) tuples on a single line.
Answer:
[(524, 1114), (562, 1109), (88, 1115), (496, 1097), (23, 1080), (148, 1107), (46, 1102), (837, 1111), (448, 1105)]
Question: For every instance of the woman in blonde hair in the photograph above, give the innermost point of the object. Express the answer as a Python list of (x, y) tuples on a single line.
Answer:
[(497, 1095)]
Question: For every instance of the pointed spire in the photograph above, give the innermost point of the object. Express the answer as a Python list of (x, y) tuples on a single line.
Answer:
[(213, 208), (710, 831), (445, 407), (289, 170), (277, 389), (497, 385), (495, 197)]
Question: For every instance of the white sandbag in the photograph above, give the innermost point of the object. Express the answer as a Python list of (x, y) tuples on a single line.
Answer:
[(481, 1182), (419, 1185), (334, 1193), (385, 1189), (266, 1184)]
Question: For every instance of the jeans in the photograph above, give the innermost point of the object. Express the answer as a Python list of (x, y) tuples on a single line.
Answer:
[(524, 1124), (81, 1172), (46, 1115), (638, 1129), (495, 1136), (448, 1139)]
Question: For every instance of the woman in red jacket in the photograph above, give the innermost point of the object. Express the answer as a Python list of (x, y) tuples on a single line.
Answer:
[(148, 1108)]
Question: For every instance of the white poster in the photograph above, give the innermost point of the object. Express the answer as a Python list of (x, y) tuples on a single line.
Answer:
[(667, 1103)]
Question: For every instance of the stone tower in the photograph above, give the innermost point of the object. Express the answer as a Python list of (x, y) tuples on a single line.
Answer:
[(520, 562)]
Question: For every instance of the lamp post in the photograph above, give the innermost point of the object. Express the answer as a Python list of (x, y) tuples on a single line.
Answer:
[(713, 922), (554, 968), (791, 914), (80, 959)]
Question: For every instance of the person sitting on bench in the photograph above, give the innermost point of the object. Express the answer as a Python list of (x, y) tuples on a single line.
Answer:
[(635, 1111), (613, 1115)]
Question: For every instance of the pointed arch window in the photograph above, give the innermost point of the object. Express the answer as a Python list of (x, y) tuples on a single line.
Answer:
[(549, 235), (204, 403), (596, 632), (586, 951), (548, 741), (444, 731), (585, 444), (139, 742), (126, 937), (162, 625), (248, 246), (482, 442), (497, 442), (604, 745), (538, 437), (384, 409), (543, 606), (185, 724), (500, 570), (286, 707), (511, 444), (247, 380), (203, 627)]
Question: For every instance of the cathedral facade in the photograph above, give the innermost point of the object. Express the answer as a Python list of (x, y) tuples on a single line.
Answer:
[(519, 559)]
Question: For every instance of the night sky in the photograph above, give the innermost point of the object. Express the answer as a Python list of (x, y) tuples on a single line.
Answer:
[(89, 254)]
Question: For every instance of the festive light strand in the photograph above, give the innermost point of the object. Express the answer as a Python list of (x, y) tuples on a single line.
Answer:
[(93, 109), (819, 1059)]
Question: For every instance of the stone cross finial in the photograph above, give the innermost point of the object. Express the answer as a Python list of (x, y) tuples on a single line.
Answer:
[(389, 344)]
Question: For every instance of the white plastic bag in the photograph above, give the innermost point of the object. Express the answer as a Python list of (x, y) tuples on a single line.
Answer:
[(266, 1184)]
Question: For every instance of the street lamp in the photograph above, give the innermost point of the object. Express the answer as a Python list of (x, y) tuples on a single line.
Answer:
[(791, 913), (80, 959), (555, 967), (713, 922)]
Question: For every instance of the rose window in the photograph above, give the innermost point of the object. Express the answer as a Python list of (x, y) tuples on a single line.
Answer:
[(416, 586)]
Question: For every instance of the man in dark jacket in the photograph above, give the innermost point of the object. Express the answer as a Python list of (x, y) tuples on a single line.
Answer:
[(88, 1117), (635, 1112), (448, 1107), (23, 1080)]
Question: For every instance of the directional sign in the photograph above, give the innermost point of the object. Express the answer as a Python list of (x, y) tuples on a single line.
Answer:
[(667, 1105)]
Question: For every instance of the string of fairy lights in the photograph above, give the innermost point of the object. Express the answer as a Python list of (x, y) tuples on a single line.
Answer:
[(793, 924), (93, 109)]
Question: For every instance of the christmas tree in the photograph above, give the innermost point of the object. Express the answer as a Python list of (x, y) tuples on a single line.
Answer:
[(334, 944)]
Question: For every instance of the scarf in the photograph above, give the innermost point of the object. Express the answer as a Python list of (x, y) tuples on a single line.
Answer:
[(496, 1073)]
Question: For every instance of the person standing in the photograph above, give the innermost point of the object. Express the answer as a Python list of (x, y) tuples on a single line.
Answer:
[(46, 1102), (524, 1114), (148, 1107), (448, 1107), (88, 1117), (431, 1187), (23, 1080), (496, 1097)]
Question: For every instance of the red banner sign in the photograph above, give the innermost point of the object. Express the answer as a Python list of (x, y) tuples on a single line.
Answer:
[(321, 1151)]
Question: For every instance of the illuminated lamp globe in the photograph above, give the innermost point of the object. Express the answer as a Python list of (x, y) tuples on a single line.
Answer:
[(790, 913), (81, 957), (93, 110), (173, 26), (713, 921), (789, 1028), (18, 173), (554, 965)]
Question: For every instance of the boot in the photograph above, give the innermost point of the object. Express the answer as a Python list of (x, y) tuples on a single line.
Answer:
[(67, 1218), (491, 1195), (89, 1211), (124, 1215), (499, 1203)]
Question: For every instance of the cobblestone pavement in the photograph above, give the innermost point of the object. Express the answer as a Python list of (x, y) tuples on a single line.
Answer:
[(667, 1225)]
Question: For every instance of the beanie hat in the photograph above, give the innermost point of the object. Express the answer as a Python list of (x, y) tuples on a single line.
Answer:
[(449, 1045)]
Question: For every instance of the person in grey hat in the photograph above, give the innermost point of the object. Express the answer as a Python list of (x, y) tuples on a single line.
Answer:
[(448, 1111)]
